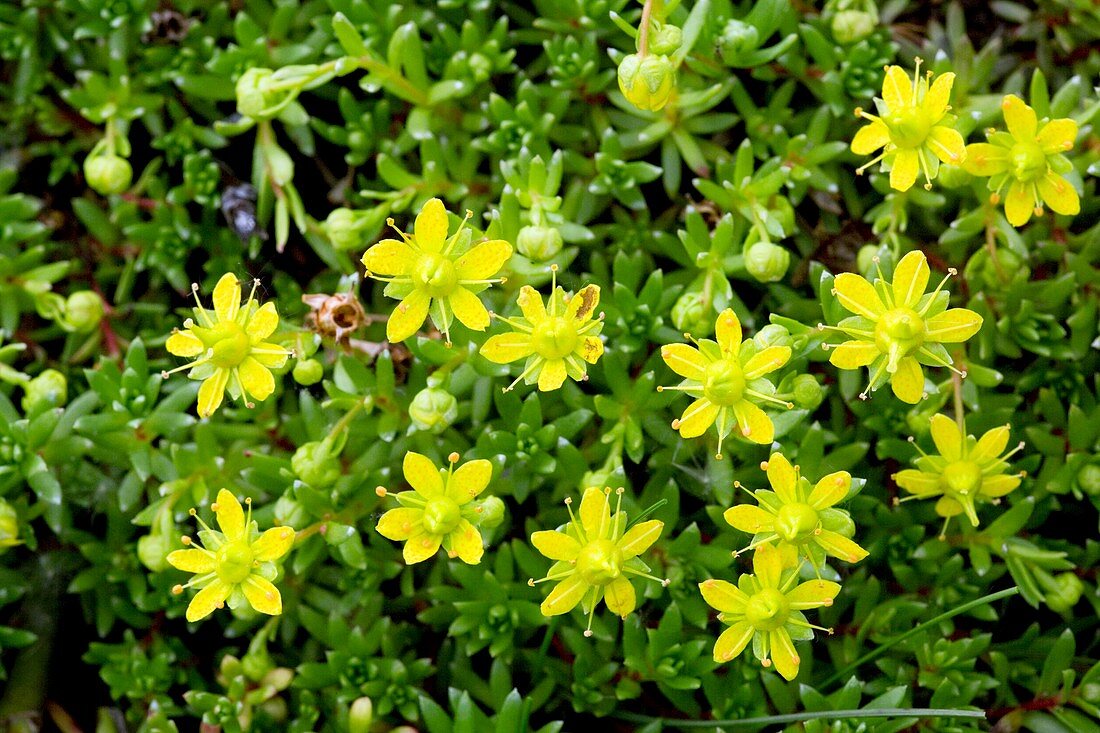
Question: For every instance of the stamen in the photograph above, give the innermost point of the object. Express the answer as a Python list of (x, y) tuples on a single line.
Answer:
[(769, 398), (577, 526), (868, 164), (203, 315), (535, 364), (380, 491), (756, 543), (951, 272)]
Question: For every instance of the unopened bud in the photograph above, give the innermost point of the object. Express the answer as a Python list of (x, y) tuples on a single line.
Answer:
[(807, 394), (647, 81), (308, 372), (852, 26), (107, 173), (767, 262), (1065, 594), (153, 549), (314, 464), (539, 243), (433, 409), (666, 41), (344, 228), (48, 389), (83, 311), (737, 37)]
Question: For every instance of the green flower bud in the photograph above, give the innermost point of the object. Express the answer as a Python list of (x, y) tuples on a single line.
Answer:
[(852, 26), (1088, 478), (48, 389), (252, 100), (767, 262), (361, 715), (647, 81), (153, 549), (290, 513), (692, 315), (737, 37), (433, 409), (992, 270), (539, 243), (865, 259), (344, 228), (83, 311), (308, 372), (107, 173), (807, 393), (9, 526), (314, 464), (772, 335), (490, 512), (1065, 596), (666, 40)]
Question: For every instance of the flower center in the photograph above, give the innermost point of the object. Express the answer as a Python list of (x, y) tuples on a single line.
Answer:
[(554, 338), (235, 561), (441, 515), (796, 522), (908, 127), (436, 274), (600, 562), (230, 344), (900, 326), (767, 610), (962, 477), (724, 382), (1028, 161)]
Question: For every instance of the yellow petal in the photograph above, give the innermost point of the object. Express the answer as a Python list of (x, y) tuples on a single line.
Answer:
[(722, 596), (552, 375), (408, 316), (830, 490), (1057, 136), (783, 653), (991, 445), (469, 309), (947, 144), (953, 326), (854, 354), (192, 561), (592, 349), (1019, 204), (908, 381), (938, 96), (640, 538), (420, 547), (583, 303), (263, 322), (699, 416), (870, 138), (948, 507), (431, 226), (753, 422), (595, 513), (918, 482), (994, 486), (256, 379), (733, 641), (262, 595), (837, 545), (556, 545), (983, 159), (1059, 195), (469, 480), (565, 596), (507, 347), (270, 355), (749, 518), (897, 88), (467, 543), (184, 343), (783, 478), (767, 566), (483, 261), (230, 515), (766, 361), (401, 523), (813, 594), (273, 544), (685, 360), (903, 173), (211, 392), (1019, 118), (530, 302), (207, 599), (619, 597), (910, 279), (727, 330), (858, 295), (422, 475), (227, 297), (389, 257)]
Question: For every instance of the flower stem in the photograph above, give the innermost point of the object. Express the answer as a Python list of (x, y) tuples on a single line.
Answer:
[(960, 419), (643, 31)]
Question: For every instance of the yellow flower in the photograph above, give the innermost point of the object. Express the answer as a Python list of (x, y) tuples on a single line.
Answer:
[(234, 565), (727, 379), (766, 609), (913, 128), (430, 272), (439, 510), (557, 342), (229, 346), (897, 327), (1029, 159), (966, 471), (593, 557), (800, 521)]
